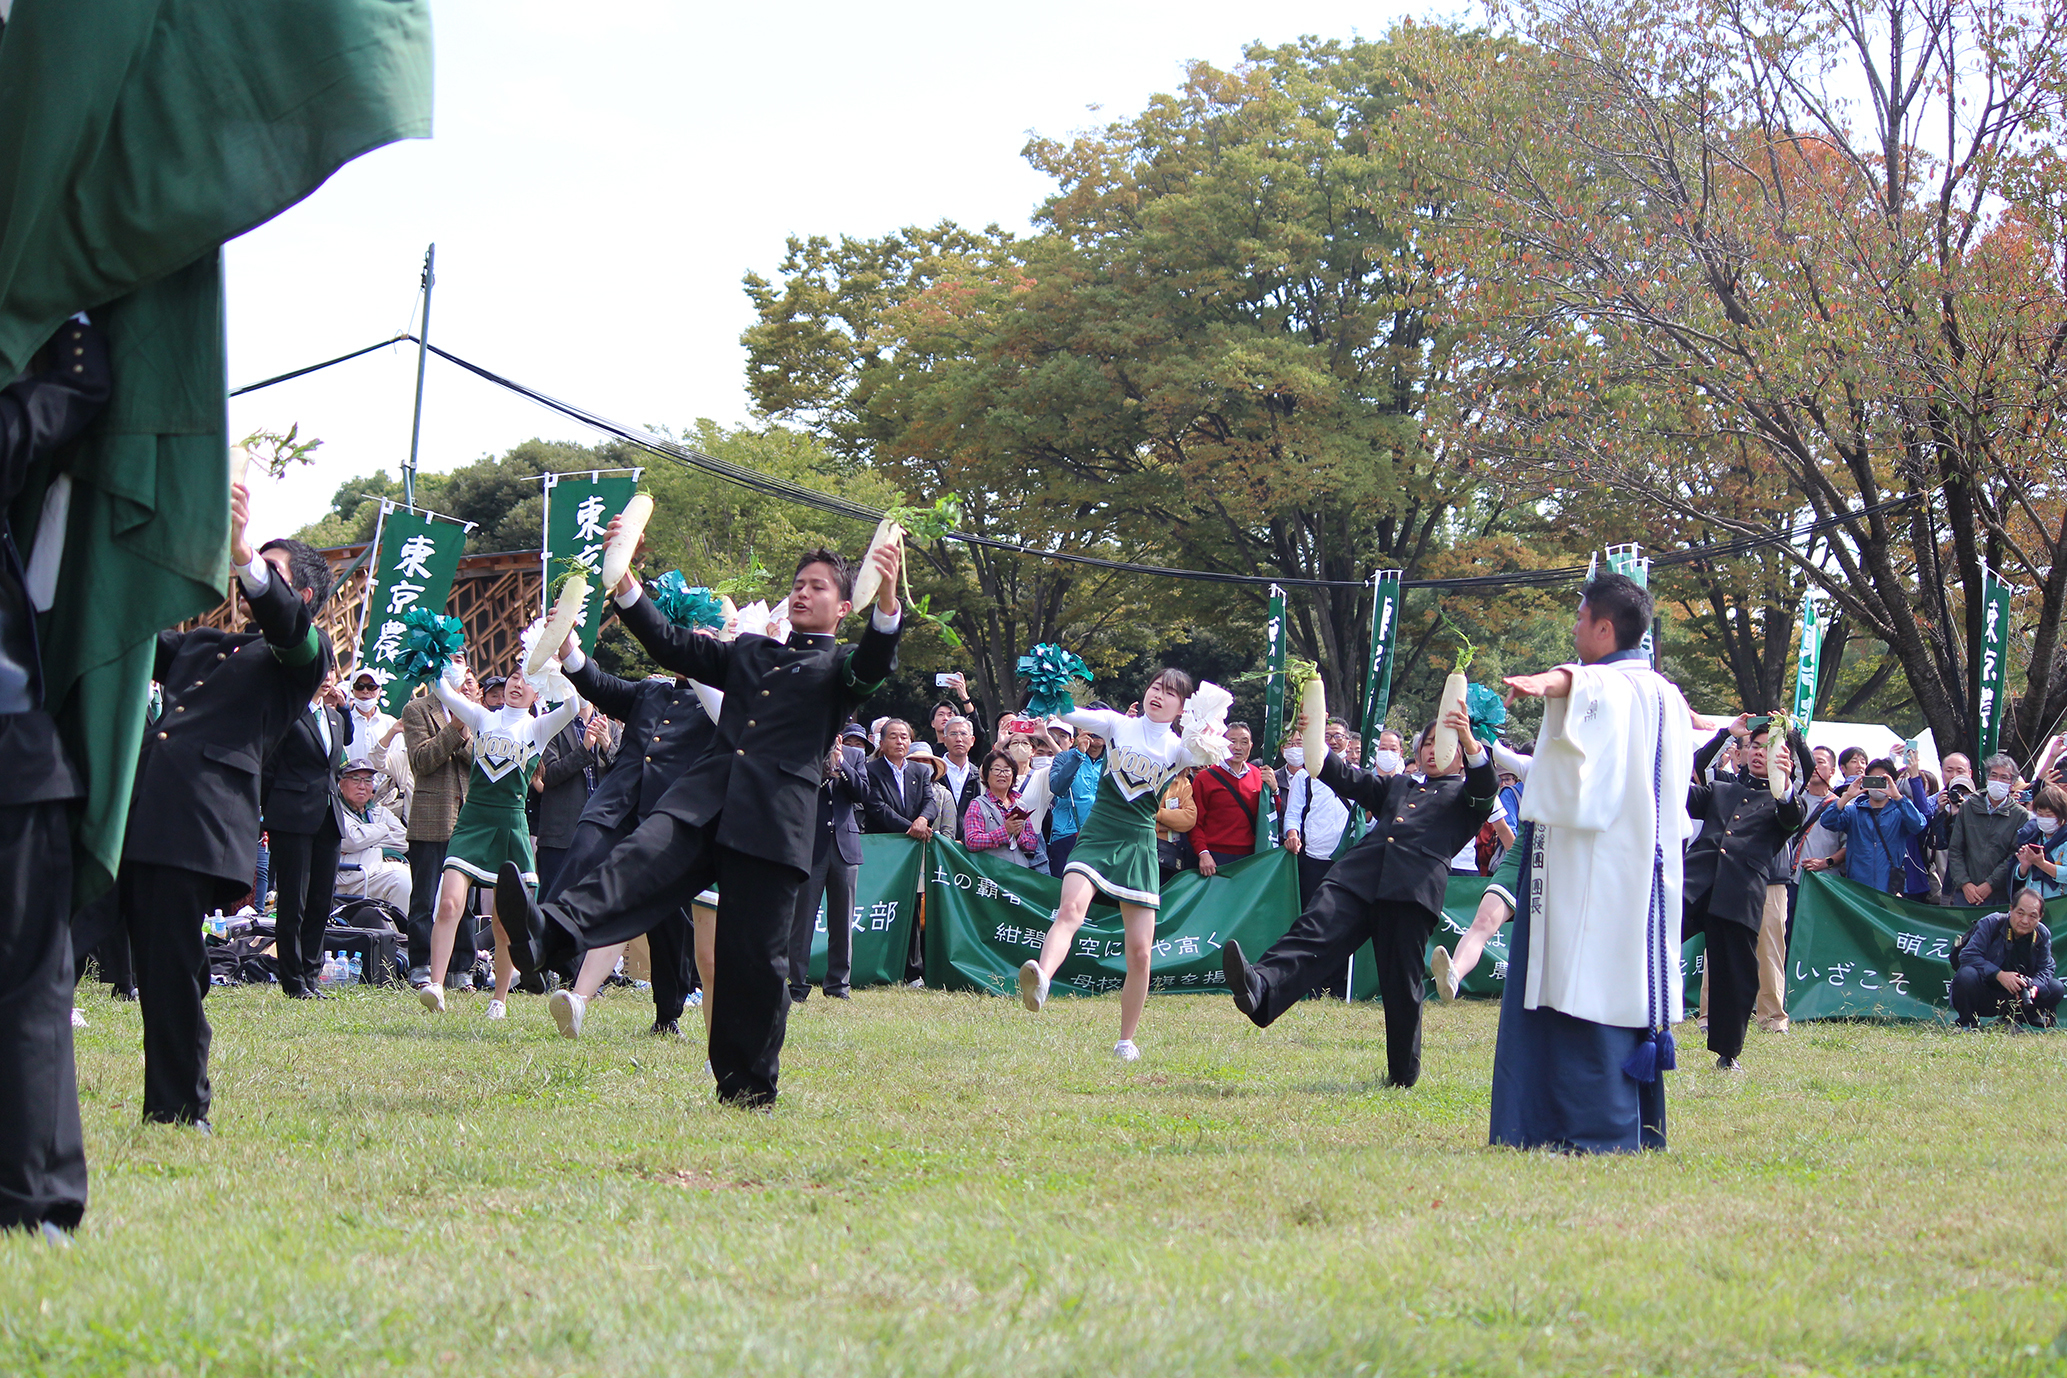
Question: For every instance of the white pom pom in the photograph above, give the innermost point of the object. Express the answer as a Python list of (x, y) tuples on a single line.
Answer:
[(1202, 727)]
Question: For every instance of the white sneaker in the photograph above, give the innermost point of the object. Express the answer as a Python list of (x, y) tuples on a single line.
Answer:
[(694, 1002), (433, 998), (1033, 987), (568, 1010), (498, 1010), (1446, 978), (1125, 1051), (78, 1017)]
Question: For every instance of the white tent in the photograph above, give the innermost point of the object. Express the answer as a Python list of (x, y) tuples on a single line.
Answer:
[(1875, 740)]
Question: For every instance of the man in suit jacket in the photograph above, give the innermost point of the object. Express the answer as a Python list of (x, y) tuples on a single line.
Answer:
[(900, 790), (441, 752), (192, 841), (744, 815), (1388, 889), (42, 1151), (665, 729), (1743, 830), (298, 796), (835, 862)]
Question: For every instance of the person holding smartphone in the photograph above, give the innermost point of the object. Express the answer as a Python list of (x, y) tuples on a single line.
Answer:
[(995, 821), (1877, 821)]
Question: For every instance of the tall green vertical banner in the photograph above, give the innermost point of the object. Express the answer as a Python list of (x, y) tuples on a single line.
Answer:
[(1808, 665), (1995, 642), (577, 511), (417, 556), (1268, 740), (1385, 616), (1629, 560)]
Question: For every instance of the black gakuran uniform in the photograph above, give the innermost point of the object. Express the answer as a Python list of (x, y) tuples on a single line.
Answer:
[(1743, 829), (743, 816), (665, 729), (42, 1152), (1388, 889), (192, 840)]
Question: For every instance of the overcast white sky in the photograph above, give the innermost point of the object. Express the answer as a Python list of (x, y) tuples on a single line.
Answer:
[(601, 176)]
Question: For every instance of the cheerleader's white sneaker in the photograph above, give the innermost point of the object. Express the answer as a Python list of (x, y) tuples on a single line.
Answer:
[(568, 1010), (498, 1010), (1125, 1051), (1033, 987), (433, 998)]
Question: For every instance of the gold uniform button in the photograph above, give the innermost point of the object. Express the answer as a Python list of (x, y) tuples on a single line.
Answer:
[(751, 723), (222, 655), (181, 709), (161, 736), (740, 752), (764, 693), (649, 759)]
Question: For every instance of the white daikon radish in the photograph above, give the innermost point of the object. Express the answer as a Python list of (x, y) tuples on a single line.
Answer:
[(1445, 737), (868, 580), (1303, 679), (565, 617), (1778, 777), (240, 460), (631, 525)]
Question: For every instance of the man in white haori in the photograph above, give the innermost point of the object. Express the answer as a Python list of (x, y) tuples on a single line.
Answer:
[(1593, 984)]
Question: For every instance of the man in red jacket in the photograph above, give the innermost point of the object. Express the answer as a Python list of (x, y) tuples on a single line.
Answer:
[(1228, 796)]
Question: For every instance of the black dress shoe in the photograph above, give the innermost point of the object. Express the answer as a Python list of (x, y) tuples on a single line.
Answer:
[(1243, 984), (520, 918), (665, 1028), (840, 994)]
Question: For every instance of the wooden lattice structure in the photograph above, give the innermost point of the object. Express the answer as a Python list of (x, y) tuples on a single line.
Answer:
[(494, 596)]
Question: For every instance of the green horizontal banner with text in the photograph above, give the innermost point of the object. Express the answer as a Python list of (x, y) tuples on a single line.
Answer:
[(986, 916), (1861, 954), (886, 902)]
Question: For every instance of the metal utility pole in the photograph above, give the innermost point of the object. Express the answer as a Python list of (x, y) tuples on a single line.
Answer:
[(423, 349)]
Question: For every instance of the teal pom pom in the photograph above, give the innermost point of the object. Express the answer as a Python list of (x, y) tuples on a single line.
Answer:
[(429, 643), (1488, 714), (1049, 671), (685, 606)]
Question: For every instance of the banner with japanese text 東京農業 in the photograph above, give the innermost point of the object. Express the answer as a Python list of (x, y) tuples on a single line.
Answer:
[(578, 509), (417, 558), (985, 917), (1858, 953), (886, 901)]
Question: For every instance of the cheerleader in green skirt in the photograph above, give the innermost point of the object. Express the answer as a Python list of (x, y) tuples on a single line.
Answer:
[(1115, 852), (491, 828)]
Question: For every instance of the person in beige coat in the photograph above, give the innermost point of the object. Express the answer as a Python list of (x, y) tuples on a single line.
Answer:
[(440, 754)]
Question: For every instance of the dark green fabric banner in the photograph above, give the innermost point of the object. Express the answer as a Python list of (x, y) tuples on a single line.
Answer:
[(578, 507), (418, 557), (987, 916), (1858, 953), (886, 902)]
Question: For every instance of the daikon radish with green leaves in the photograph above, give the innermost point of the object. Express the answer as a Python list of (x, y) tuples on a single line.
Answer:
[(631, 525), (1778, 777), (1303, 678), (568, 604), (1445, 737)]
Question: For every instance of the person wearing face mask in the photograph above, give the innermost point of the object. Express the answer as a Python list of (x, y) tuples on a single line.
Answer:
[(1984, 836), (2041, 848), (1387, 758), (372, 728), (1877, 822)]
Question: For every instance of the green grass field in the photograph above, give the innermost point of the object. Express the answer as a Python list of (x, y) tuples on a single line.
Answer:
[(952, 1185)]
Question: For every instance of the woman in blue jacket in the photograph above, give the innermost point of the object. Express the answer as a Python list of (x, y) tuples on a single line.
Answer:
[(1877, 825)]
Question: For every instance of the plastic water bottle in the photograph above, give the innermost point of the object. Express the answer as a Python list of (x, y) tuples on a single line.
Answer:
[(358, 971), (326, 975)]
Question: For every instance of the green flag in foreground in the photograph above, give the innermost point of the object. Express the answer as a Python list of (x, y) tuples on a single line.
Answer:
[(136, 136)]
